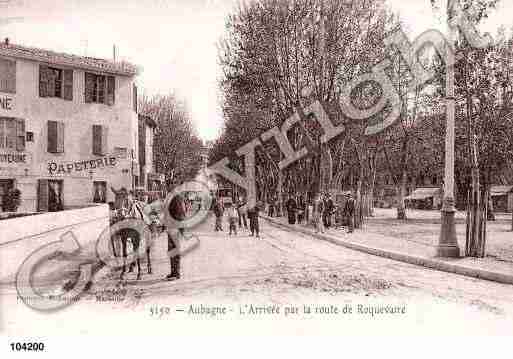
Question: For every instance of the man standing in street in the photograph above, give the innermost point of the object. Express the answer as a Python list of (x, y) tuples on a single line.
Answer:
[(232, 220), (177, 211), (242, 212), (291, 209), (253, 220), (271, 207), (218, 212), (328, 211), (301, 210), (349, 212)]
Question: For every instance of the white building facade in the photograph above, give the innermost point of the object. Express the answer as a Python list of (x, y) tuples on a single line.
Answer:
[(149, 179), (68, 127)]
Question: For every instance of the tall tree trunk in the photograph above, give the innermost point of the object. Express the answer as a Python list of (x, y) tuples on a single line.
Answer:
[(359, 207), (475, 233), (475, 199), (279, 189), (371, 190), (475, 211), (401, 208), (482, 233), (490, 214)]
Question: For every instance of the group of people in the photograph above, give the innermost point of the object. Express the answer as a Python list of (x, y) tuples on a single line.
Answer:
[(238, 215), (319, 211), (150, 211)]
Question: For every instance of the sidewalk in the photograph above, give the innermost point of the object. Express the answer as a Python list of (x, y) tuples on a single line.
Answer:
[(415, 242)]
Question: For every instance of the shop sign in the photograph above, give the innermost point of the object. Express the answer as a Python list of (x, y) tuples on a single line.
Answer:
[(13, 158), (79, 166)]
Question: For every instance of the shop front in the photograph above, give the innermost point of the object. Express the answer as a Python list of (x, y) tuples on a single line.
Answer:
[(54, 185), (502, 197), (15, 174), (6, 185), (72, 184)]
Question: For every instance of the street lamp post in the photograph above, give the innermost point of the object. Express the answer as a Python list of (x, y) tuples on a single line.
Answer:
[(448, 242)]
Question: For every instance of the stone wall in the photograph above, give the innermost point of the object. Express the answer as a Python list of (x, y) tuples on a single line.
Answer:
[(20, 237)]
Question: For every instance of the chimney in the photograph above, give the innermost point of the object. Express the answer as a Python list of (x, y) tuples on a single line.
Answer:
[(6, 41), (114, 53)]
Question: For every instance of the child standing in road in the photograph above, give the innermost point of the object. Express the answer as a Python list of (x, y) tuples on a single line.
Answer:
[(233, 218)]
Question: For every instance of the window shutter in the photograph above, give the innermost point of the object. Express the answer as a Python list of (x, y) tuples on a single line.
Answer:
[(11, 77), (90, 82), (111, 89), (68, 85), (43, 80), (7, 76), (2, 132), (20, 134), (10, 133), (52, 136), (104, 145), (101, 87), (60, 137), (142, 143), (42, 195), (52, 79), (135, 98), (97, 140)]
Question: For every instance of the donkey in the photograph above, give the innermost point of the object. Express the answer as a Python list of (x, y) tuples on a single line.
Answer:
[(125, 208)]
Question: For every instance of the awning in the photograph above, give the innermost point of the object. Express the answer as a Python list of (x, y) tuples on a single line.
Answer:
[(497, 191), (424, 193)]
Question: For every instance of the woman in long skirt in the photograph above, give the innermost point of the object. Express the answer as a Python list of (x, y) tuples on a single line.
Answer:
[(318, 209)]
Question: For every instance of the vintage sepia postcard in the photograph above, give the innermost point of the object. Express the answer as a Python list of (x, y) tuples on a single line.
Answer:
[(252, 168)]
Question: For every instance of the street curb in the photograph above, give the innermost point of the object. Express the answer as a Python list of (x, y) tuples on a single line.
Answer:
[(431, 263)]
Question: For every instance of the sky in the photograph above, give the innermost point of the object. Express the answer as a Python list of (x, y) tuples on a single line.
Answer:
[(174, 41)]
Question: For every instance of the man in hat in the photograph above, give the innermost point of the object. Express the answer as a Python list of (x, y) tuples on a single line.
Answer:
[(218, 209), (291, 209), (349, 211), (328, 211), (253, 214), (242, 212), (176, 210)]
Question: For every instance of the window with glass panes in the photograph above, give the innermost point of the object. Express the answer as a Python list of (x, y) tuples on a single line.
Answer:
[(7, 133), (99, 88)]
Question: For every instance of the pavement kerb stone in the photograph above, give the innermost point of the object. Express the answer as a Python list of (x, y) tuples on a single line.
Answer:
[(431, 263)]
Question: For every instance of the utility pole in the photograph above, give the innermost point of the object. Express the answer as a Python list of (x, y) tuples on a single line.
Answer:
[(448, 242)]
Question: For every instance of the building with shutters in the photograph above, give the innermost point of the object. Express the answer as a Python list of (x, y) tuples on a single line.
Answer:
[(68, 127), (149, 179)]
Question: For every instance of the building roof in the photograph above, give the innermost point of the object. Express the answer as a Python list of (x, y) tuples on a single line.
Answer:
[(500, 190), (58, 58), (424, 193)]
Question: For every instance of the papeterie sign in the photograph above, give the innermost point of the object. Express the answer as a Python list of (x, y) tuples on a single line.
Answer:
[(79, 166)]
